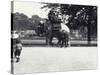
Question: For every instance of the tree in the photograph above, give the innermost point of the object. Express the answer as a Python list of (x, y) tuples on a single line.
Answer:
[(80, 16), (21, 21), (35, 20)]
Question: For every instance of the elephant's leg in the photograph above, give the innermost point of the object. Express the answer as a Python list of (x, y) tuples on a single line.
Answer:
[(59, 41), (47, 41), (50, 41), (62, 43), (65, 41), (68, 40)]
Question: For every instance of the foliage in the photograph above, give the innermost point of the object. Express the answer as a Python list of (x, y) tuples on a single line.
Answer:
[(81, 16), (22, 22)]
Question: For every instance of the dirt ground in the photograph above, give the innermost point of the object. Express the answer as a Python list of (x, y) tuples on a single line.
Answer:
[(45, 59)]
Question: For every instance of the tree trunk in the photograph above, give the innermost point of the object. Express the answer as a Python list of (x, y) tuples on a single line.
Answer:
[(89, 25), (89, 34)]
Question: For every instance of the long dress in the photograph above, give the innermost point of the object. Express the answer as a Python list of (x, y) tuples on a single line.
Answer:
[(65, 28)]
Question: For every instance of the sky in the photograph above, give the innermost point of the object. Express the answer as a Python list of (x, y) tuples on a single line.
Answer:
[(30, 8)]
